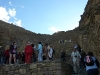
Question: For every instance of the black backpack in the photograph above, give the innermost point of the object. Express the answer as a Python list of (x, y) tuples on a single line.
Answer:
[(97, 63)]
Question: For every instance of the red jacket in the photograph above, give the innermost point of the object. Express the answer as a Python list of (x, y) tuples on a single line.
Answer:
[(6, 53), (28, 49)]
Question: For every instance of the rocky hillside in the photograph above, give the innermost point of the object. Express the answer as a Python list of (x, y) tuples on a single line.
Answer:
[(10, 33), (89, 27), (87, 35)]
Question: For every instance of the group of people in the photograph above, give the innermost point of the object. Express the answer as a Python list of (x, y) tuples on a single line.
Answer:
[(82, 60), (64, 41), (10, 54), (45, 52), (31, 53)]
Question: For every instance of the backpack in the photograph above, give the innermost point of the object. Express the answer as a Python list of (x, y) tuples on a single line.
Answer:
[(97, 62), (89, 60), (53, 51)]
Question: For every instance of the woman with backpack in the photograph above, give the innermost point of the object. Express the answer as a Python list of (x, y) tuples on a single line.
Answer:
[(91, 64)]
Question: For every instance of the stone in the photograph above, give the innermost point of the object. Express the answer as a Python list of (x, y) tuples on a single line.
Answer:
[(32, 66), (22, 71), (38, 70), (34, 73)]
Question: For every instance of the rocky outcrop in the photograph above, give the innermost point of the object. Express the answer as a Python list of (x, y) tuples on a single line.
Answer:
[(89, 27)]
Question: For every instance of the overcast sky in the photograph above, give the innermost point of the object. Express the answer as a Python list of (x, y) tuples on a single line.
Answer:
[(43, 16)]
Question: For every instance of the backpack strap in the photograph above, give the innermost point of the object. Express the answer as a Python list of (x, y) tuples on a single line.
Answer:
[(97, 62)]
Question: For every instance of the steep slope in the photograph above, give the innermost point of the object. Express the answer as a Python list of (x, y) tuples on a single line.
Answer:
[(10, 33), (90, 27)]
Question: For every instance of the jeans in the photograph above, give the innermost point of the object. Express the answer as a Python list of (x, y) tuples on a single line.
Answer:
[(92, 72), (2, 60), (76, 66)]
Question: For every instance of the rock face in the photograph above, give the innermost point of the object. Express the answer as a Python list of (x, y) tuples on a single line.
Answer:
[(44, 68), (87, 35), (10, 33), (89, 27)]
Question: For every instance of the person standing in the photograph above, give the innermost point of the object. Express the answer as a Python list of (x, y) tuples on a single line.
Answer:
[(6, 54), (34, 54), (63, 56), (23, 57), (18, 57), (2, 57), (44, 53), (40, 51), (75, 55), (83, 54), (48, 49), (12, 52), (28, 53), (50, 52)]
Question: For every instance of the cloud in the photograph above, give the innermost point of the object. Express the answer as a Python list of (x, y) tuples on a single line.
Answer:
[(4, 14), (12, 12), (10, 3), (53, 29), (18, 23)]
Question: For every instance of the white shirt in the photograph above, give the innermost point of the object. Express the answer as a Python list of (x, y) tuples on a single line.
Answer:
[(50, 52), (75, 53)]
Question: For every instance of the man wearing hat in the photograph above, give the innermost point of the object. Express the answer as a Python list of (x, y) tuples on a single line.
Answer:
[(28, 53), (75, 55)]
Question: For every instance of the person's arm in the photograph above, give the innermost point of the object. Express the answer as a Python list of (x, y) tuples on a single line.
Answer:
[(38, 48), (71, 55), (78, 54)]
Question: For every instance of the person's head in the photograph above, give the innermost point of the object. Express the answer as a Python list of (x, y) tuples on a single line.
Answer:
[(14, 43), (0, 47), (75, 46), (23, 51), (90, 53), (51, 46), (82, 50), (28, 42), (39, 42), (32, 45), (75, 49), (7, 47), (62, 50)]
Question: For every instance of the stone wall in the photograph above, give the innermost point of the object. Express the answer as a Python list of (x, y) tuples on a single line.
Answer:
[(40, 68)]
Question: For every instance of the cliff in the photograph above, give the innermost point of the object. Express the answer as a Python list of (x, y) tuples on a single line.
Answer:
[(87, 35), (89, 27)]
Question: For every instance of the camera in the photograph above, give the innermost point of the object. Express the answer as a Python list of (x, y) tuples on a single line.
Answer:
[(75, 56)]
